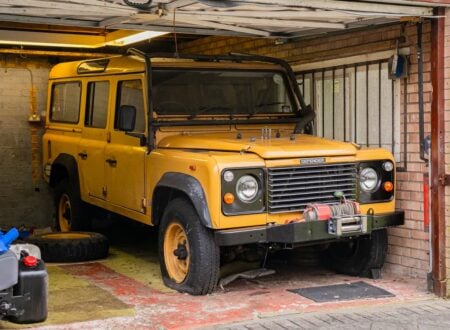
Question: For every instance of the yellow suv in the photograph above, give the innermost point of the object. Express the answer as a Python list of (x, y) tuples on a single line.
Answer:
[(218, 152)]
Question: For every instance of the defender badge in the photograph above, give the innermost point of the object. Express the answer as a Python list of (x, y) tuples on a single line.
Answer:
[(312, 161)]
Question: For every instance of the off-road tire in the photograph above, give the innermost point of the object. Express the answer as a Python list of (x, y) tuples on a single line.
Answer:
[(80, 211), (358, 257), (71, 246), (202, 272)]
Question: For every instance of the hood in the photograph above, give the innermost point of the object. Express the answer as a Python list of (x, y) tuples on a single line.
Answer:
[(282, 147)]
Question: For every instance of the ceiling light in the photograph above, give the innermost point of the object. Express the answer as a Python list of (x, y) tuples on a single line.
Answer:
[(134, 38)]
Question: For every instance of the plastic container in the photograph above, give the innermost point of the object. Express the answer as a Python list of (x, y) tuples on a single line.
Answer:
[(8, 270), (33, 281)]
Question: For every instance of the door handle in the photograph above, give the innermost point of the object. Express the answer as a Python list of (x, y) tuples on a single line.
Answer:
[(111, 162), (83, 155)]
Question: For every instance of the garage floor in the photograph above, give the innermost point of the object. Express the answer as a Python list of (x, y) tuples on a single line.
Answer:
[(126, 291)]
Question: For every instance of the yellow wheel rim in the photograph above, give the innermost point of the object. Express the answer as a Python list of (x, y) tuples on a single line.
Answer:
[(64, 213), (176, 252), (66, 236)]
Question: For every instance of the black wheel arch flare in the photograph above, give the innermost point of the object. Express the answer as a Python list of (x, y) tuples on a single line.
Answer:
[(185, 184), (69, 164)]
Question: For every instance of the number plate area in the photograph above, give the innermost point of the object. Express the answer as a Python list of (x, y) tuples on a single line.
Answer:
[(347, 225)]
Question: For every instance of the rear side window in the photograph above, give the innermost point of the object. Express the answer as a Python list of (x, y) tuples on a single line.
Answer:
[(130, 93), (97, 104), (65, 106)]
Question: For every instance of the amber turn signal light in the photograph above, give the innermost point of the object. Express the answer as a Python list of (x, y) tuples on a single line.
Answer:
[(228, 198), (388, 186)]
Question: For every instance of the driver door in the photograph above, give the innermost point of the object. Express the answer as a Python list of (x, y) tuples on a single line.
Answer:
[(124, 155)]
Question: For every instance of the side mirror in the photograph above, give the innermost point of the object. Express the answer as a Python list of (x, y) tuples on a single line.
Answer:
[(127, 118)]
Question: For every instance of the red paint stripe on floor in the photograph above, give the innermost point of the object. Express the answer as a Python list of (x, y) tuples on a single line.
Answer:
[(182, 311)]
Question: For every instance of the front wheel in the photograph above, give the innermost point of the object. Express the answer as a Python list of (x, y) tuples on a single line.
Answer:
[(188, 254), (358, 257)]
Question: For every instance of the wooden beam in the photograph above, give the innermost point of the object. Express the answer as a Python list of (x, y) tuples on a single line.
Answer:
[(47, 20), (47, 38), (178, 4), (45, 12), (284, 14), (69, 7), (33, 52), (179, 29), (261, 21), (214, 25), (349, 6), (114, 20)]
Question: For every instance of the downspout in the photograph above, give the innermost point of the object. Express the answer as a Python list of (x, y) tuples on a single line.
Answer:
[(420, 87), (439, 179)]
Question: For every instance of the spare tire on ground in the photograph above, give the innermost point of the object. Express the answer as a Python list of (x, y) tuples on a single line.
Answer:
[(71, 246)]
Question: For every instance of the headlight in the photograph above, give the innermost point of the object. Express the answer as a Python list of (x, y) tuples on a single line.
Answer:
[(368, 179), (247, 188)]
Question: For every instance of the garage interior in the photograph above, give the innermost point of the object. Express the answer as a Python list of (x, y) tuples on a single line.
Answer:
[(340, 52)]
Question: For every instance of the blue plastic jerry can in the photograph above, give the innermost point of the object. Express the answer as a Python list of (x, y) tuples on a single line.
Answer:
[(7, 239)]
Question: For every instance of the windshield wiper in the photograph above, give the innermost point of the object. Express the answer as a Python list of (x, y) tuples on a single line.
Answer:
[(204, 110), (262, 106)]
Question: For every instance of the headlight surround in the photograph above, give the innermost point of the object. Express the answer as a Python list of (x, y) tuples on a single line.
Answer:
[(373, 178), (368, 179), (247, 188)]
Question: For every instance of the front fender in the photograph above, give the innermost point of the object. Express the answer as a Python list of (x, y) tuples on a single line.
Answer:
[(192, 188)]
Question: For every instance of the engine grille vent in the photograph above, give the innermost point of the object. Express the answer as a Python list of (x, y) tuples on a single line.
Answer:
[(293, 188)]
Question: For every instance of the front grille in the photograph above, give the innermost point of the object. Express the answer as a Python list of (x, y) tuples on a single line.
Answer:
[(293, 188)]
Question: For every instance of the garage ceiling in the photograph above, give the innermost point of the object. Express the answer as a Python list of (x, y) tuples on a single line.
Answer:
[(97, 23)]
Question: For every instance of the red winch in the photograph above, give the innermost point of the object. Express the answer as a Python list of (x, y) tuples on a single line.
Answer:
[(315, 212)]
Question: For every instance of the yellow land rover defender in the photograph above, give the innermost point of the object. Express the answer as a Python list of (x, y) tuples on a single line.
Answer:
[(218, 152)]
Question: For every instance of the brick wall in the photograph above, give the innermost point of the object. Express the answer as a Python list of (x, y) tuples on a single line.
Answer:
[(24, 197), (408, 245)]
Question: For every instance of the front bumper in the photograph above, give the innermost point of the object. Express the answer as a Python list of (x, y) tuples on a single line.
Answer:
[(302, 232)]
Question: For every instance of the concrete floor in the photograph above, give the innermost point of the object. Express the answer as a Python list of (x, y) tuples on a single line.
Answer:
[(125, 291)]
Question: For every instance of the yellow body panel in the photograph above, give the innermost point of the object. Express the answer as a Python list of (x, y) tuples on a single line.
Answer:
[(127, 185)]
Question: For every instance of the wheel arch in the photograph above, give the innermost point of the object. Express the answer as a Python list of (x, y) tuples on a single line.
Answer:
[(173, 185), (64, 166)]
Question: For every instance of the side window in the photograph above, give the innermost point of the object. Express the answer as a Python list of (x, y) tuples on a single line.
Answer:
[(129, 92), (97, 104), (65, 104)]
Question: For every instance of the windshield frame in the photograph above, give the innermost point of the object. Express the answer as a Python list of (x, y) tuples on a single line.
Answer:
[(244, 115), (292, 89)]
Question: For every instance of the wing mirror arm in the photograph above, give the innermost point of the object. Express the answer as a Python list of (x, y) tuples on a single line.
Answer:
[(127, 122)]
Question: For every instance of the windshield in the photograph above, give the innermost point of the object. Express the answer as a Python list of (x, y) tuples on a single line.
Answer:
[(195, 92)]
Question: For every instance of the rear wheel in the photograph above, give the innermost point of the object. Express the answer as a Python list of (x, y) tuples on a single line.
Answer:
[(72, 214), (188, 254), (358, 257)]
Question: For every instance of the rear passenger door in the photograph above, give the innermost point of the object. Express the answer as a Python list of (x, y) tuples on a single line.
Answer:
[(124, 155), (91, 149)]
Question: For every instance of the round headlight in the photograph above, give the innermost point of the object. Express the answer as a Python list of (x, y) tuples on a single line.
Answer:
[(388, 166), (368, 179), (228, 176), (247, 188)]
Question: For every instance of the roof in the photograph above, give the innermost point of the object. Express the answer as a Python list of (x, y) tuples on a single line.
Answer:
[(264, 18), (134, 64)]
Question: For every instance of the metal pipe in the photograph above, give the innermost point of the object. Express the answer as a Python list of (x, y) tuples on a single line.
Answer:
[(44, 53), (437, 151), (420, 83)]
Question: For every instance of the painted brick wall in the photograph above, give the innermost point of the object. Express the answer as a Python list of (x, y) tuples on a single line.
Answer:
[(24, 196), (408, 245)]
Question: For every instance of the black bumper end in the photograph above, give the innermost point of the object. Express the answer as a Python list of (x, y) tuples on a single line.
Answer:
[(301, 232)]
